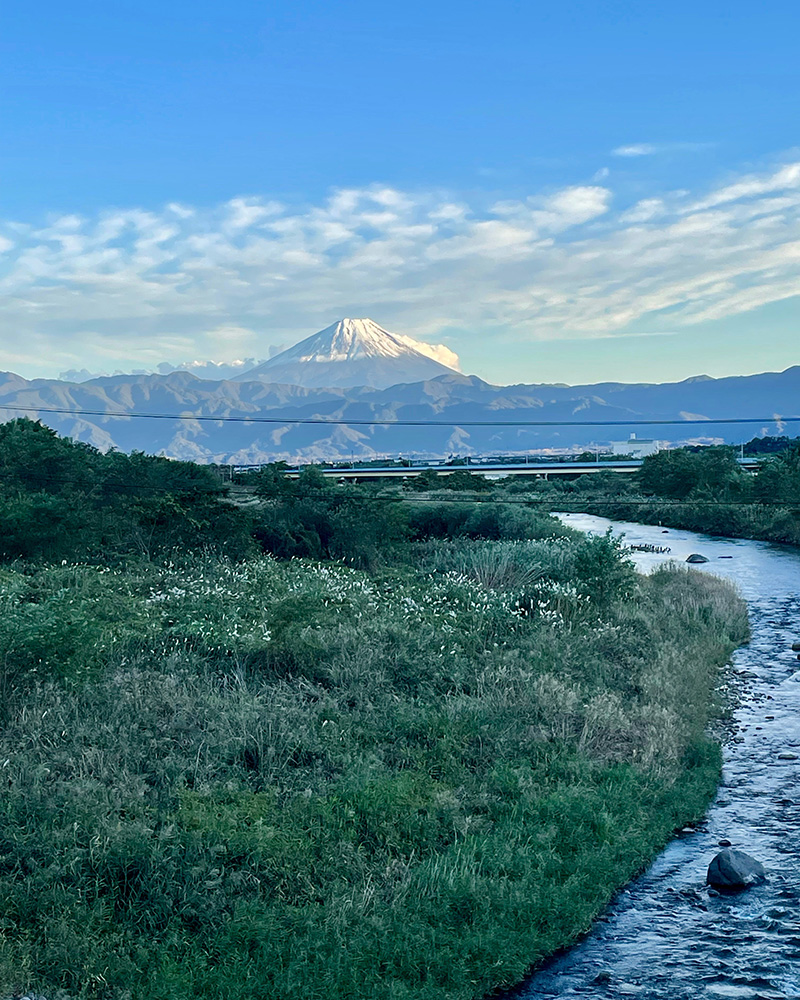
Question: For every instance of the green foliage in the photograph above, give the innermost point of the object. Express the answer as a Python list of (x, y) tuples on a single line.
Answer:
[(779, 479), (294, 780), (680, 474), (311, 517), (702, 489), (485, 520), (459, 482), (60, 499), (770, 445), (605, 574), (572, 575), (241, 777)]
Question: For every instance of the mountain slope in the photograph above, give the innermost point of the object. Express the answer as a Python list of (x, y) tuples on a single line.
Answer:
[(452, 399), (349, 353)]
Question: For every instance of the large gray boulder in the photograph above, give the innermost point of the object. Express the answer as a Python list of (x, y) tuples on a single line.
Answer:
[(695, 557), (733, 870)]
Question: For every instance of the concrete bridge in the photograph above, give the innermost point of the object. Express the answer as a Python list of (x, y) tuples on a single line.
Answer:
[(542, 470)]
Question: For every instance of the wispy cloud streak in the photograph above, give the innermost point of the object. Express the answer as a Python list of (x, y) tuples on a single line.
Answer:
[(636, 149)]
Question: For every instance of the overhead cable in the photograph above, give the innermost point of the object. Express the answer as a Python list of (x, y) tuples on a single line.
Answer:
[(392, 422)]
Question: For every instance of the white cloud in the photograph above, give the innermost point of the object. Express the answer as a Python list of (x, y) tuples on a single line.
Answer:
[(130, 288), (636, 149), (244, 213), (644, 210), (439, 352), (650, 149), (202, 369), (574, 205), (787, 177), (182, 211)]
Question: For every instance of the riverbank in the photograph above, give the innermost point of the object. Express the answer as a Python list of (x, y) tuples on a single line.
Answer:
[(665, 937), (759, 522), (297, 780), (697, 489)]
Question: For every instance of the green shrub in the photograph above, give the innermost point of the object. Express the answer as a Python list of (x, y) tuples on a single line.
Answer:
[(483, 520), (65, 500), (313, 518)]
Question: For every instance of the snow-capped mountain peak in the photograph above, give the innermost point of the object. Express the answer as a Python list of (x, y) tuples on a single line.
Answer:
[(345, 341), (354, 352)]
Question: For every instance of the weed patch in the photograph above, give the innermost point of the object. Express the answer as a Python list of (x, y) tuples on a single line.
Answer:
[(294, 780)]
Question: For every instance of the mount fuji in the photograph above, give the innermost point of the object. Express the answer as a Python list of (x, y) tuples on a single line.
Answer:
[(350, 353), (388, 385)]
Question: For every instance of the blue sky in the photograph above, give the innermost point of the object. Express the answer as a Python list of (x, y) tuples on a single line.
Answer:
[(558, 192)]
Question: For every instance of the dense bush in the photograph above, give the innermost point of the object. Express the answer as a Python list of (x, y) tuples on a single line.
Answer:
[(311, 517), (363, 525), (460, 481), (484, 520), (770, 445), (681, 473), (60, 499)]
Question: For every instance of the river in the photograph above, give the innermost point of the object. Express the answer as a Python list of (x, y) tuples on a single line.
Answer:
[(665, 936)]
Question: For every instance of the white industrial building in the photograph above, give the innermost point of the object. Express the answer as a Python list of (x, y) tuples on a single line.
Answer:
[(637, 447)]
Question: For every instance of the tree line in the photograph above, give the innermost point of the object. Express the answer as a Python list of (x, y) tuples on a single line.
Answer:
[(62, 499), (701, 489)]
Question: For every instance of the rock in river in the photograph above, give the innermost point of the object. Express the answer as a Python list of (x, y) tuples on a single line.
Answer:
[(732, 870), (695, 557)]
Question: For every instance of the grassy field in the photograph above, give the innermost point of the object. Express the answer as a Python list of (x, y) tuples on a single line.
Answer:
[(293, 779)]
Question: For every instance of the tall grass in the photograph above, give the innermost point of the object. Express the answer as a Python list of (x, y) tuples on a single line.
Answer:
[(292, 780), (508, 565)]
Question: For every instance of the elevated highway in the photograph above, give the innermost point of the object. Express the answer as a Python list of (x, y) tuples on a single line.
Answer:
[(541, 470)]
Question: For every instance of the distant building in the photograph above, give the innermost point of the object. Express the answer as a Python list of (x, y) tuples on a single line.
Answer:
[(637, 447)]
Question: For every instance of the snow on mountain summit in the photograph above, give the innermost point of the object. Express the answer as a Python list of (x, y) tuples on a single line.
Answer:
[(354, 352), (345, 341)]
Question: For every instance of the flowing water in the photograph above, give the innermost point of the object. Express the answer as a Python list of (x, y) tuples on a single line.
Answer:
[(665, 936)]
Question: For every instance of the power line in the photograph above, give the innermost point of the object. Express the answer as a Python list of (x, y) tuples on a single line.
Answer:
[(355, 422)]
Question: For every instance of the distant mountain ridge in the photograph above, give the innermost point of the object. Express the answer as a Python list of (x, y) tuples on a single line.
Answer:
[(350, 353), (451, 398), (218, 370)]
